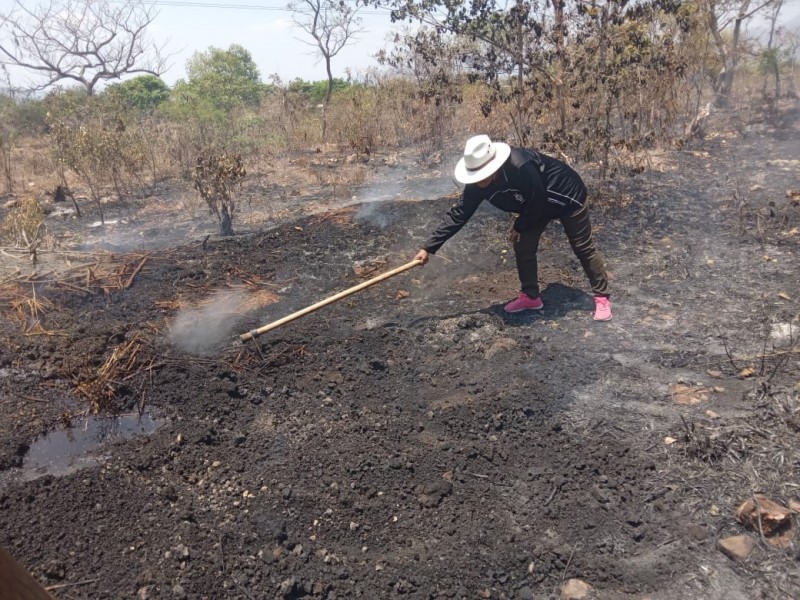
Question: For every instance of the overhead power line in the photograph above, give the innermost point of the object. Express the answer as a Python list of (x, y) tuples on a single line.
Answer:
[(225, 5)]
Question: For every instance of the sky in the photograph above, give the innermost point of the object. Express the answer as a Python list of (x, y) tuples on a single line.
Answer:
[(266, 30), (268, 33), (263, 27)]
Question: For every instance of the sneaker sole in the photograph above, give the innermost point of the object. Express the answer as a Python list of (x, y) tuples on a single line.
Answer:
[(602, 320), (512, 312)]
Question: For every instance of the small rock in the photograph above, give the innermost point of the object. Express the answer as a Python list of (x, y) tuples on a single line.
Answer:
[(178, 591), (737, 547), (431, 495), (525, 593), (575, 589), (55, 570), (287, 587), (698, 532), (500, 345), (600, 495), (180, 552)]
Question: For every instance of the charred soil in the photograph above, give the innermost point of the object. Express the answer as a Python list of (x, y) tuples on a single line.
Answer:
[(413, 440)]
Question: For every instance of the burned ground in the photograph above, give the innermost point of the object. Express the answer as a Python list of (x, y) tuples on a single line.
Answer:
[(413, 440)]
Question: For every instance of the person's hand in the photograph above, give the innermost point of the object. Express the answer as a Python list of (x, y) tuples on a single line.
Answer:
[(513, 235), (422, 255)]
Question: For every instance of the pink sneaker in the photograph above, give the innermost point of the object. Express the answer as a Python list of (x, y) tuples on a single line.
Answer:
[(524, 302), (602, 308)]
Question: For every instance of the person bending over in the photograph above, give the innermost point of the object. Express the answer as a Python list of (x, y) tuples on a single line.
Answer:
[(538, 189)]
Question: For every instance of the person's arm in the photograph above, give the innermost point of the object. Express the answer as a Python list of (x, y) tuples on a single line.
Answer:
[(455, 219), (533, 190)]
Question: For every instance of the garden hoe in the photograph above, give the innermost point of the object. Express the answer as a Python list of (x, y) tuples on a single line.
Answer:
[(330, 300)]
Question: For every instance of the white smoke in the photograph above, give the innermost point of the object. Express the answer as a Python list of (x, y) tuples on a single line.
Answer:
[(199, 330)]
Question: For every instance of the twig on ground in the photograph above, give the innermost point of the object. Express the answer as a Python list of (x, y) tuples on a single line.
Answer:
[(59, 586), (553, 493), (758, 515), (569, 562)]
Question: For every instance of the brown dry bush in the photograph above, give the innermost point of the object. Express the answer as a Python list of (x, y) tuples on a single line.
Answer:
[(215, 178), (105, 148), (23, 225)]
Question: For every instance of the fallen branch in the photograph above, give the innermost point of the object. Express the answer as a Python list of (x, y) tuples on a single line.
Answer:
[(135, 273)]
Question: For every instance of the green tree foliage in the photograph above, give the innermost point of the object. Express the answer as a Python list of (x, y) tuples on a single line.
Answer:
[(219, 81), (315, 91), (144, 93)]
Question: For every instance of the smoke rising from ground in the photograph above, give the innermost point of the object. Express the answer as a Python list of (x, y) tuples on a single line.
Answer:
[(373, 198), (201, 329)]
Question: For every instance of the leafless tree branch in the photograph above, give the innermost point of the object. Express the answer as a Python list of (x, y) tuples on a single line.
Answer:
[(86, 41)]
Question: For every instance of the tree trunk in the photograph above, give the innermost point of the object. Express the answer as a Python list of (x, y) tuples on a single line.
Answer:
[(63, 178), (774, 58), (558, 8), (729, 56), (225, 222), (328, 94)]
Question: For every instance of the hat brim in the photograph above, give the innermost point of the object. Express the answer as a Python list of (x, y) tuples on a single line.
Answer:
[(462, 175)]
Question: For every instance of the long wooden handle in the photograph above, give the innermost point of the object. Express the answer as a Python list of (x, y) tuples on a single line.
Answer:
[(301, 313), (17, 583)]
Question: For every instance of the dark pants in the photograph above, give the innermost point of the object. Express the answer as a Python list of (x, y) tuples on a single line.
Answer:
[(579, 233)]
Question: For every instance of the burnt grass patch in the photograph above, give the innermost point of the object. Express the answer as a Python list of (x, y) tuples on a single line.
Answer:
[(412, 440)]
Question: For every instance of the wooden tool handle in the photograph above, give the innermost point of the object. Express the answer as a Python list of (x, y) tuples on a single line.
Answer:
[(17, 583), (301, 313)]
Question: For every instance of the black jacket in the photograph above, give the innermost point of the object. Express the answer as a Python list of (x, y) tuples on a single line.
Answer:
[(539, 188)]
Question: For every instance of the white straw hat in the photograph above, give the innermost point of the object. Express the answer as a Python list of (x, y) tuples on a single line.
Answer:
[(482, 157)]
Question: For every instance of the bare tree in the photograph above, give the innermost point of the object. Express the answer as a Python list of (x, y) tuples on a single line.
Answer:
[(86, 41), (726, 20), (332, 25)]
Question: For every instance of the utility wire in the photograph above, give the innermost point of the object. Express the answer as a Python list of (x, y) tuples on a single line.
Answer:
[(223, 5)]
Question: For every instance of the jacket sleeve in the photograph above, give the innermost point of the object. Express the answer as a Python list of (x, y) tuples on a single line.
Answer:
[(454, 220), (533, 191)]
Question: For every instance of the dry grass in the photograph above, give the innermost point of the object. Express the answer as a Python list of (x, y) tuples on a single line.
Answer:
[(27, 298), (97, 272), (29, 312), (125, 362)]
